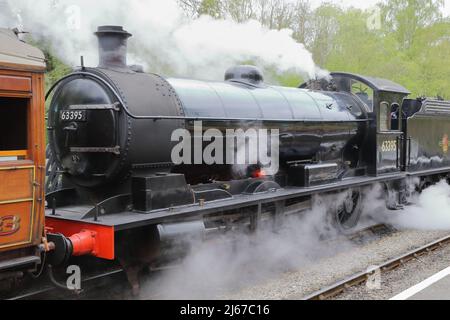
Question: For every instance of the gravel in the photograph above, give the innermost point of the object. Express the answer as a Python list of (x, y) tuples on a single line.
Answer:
[(326, 271), (402, 278)]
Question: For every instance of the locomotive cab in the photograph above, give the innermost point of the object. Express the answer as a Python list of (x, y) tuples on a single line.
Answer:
[(385, 151), (22, 156)]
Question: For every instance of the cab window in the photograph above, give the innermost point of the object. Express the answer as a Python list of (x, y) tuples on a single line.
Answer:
[(385, 117), (396, 115), (363, 92)]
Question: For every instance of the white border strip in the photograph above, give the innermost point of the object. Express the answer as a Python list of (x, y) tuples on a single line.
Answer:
[(423, 285)]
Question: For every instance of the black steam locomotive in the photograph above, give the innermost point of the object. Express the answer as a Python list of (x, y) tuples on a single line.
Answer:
[(118, 194)]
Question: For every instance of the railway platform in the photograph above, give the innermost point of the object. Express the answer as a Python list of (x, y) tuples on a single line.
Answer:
[(436, 287)]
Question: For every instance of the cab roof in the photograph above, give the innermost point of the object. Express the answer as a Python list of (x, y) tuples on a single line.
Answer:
[(378, 84), (18, 54)]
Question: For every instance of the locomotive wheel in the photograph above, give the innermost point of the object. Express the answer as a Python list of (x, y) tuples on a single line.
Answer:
[(348, 212)]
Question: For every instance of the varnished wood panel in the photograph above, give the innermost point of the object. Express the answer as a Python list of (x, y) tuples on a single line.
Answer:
[(14, 83), (35, 157), (16, 184), (14, 153), (37, 150), (17, 67), (16, 224)]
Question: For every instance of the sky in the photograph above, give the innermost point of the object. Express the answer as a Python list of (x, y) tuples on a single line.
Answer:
[(364, 4)]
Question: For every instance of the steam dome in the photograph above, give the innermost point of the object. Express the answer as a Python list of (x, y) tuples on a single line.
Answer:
[(245, 73)]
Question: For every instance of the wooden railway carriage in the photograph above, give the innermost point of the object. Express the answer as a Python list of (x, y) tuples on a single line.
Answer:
[(22, 156)]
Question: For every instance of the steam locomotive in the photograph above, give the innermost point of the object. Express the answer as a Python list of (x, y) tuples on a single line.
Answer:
[(117, 195)]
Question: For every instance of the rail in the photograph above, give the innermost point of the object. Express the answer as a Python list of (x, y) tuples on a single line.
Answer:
[(362, 277)]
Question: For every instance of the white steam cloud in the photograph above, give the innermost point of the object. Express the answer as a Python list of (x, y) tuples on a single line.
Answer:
[(164, 39), (237, 260), (216, 269), (430, 211)]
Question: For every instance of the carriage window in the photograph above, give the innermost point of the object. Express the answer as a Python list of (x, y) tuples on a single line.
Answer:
[(385, 117), (13, 129)]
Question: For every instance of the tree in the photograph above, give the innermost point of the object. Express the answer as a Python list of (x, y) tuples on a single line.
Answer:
[(211, 8), (196, 8), (301, 22), (240, 10), (431, 52), (275, 14), (411, 48), (190, 7), (406, 17), (325, 27)]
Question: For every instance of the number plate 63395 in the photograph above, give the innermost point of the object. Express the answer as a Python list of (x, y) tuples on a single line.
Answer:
[(73, 115)]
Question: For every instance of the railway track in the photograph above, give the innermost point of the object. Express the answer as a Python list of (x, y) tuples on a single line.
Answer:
[(101, 286), (364, 276), (53, 291)]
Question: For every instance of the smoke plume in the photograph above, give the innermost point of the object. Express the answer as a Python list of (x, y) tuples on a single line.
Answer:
[(165, 40), (429, 211), (235, 260), (214, 269)]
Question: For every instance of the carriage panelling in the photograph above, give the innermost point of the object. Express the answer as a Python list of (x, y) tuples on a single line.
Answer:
[(22, 170)]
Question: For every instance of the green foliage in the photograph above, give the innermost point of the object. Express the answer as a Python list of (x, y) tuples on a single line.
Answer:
[(324, 27), (289, 80), (412, 51), (56, 69), (211, 8), (406, 17), (412, 47)]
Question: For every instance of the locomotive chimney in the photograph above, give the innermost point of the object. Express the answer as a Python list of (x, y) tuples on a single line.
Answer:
[(112, 44)]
